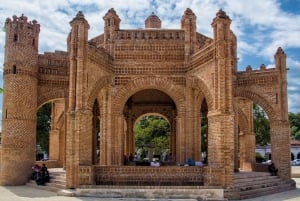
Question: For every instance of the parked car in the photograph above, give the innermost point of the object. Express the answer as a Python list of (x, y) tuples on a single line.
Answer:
[(295, 162), (267, 162)]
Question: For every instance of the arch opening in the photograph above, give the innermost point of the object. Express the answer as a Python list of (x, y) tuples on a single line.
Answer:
[(144, 109)]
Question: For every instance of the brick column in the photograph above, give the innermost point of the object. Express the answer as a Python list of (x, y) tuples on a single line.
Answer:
[(72, 159), (79, 144), (221, 147), (118, 144), (180, 140), (130, 135), (243, 150), (173, 136), (84, 123), (54, 143), (280, 147), (251, 147)]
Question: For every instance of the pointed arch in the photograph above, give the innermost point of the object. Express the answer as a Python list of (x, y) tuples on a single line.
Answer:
[(265, 104), (102, 82)]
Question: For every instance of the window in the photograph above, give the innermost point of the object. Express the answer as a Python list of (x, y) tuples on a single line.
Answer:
[(14, 69)]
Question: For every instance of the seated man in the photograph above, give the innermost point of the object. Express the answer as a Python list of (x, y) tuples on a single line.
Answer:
[(190, 162), (43, 176), (272, 169), (154, 162), (35, 171)]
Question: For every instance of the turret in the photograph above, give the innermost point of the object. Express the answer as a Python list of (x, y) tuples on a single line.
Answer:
[(280, 60), (19, 100), (225, 64), (112, 24), (78, 56), (221, 26), (280, 64), (153, 22), (188, 24)]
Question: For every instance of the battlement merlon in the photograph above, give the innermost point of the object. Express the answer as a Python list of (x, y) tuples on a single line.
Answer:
[(280, 60), (22, 20), (19, 29), (79, 18)]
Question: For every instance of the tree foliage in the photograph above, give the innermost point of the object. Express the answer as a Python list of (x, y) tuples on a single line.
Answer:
[(294, 119), (152, 131), (43, 127), (261, 126)]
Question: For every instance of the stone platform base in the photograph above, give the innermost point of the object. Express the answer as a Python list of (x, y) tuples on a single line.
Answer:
[(169, 192)]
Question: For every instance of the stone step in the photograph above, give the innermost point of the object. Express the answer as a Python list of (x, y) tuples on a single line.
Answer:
[(46, 187), (62, 182), (250, 185), (259, 182), (56, 184), (266, 191), (153, 193), (242, 176), (260, 186)]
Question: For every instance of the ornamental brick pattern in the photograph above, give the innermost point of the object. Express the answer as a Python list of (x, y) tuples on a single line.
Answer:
[(100, 87)]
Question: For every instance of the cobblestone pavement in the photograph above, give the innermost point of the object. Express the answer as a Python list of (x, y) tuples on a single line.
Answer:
[(26, 193)]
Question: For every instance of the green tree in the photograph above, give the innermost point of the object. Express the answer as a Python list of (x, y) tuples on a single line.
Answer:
[(43, 127), (294, 119), (152, 131), (261, 126)]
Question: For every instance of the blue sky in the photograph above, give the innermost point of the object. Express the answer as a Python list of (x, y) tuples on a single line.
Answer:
[(260, 26)]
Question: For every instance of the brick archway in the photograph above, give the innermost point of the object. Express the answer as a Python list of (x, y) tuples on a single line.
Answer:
[(102, 82), (150, 82), (242, 122), (256, 98), (51, 95), (197, 83)]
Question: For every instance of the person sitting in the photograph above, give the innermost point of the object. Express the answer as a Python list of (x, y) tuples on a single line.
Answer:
[(155, 163), (131, 157), (35, 171), (43, 176), (272, 169), (190, 162)]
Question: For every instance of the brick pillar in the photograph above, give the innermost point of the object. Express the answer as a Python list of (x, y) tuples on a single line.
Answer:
[(189, 125), (118, 144), (119, 140), (84, 125), (251, 147), (221, 147), (180, 140), (280, 147), (53, 145), (237, 157), (243, 150), (247, 150), (72, 159), (173, 136), (131, 139)]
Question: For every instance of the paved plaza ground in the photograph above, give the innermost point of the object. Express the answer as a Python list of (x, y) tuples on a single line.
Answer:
[(26, 193)]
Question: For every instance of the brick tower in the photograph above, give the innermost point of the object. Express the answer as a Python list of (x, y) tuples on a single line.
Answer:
[(19, 100)]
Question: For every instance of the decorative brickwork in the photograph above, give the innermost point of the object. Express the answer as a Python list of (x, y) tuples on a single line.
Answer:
[(102, 86), (148, 176)]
